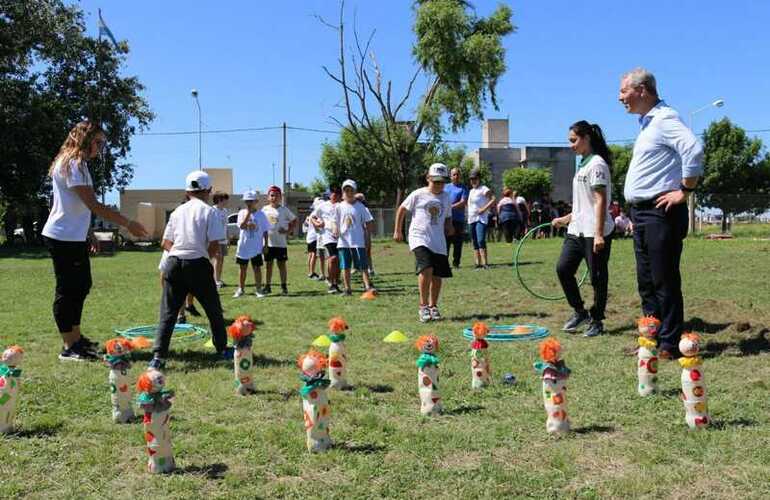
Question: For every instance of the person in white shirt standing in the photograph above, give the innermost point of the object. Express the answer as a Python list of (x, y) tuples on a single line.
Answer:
[(66, 232), (220, 200), (311, 239), (191, 237), (353, 218), (252, 241), (324, 218), (282, 222), (589, 227), (431, 223), (480, 201)]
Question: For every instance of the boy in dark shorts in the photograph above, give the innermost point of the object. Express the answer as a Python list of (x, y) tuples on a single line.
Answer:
[(282, 222), (431, 223), (251, 242)]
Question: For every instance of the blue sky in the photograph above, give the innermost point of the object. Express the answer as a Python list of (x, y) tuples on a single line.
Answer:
[(258, 64)]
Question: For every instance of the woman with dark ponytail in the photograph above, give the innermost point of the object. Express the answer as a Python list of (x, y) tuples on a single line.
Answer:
[(589, 227)]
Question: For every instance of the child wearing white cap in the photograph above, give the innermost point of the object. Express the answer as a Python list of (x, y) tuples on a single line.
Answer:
[(252, 242), (352, 219), (191, 237), (431, 223)]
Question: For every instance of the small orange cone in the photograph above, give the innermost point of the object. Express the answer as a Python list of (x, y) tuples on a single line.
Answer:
[(141, 343), (369, 295)]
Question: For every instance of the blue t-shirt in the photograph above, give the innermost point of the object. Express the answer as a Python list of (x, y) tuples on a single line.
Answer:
[(457, 193)]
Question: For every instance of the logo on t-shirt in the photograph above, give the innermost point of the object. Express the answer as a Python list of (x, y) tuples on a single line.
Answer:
[(347, 223), (272, 219), (434, 209)]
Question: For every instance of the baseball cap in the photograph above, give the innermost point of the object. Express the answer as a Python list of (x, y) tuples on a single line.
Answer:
[(351, 184), (249, 196), (438, 172), (475, 173), (197, 180), (273, 189)]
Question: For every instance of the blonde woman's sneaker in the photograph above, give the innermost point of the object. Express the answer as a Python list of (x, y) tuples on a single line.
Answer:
[(425, 314), (434, 314), (577, 319), (238, 293), (77, 352)]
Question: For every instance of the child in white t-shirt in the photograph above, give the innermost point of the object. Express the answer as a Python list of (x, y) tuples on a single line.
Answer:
[(220, 200), (352, 220), (281, 221), (311, 238), (251, 243), (431, 223), (324, 218)]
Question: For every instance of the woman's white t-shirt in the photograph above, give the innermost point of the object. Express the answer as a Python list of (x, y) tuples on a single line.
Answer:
[(477, 198), (251, 241), (593, 174), (429, 211), (70, 218), (351, 220), (311, 233), (327, 212)]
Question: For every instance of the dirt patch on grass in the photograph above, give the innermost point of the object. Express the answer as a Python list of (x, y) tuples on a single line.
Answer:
[(466, 460)]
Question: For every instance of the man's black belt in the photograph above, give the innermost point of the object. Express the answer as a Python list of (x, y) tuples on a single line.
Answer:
[(644, 205)]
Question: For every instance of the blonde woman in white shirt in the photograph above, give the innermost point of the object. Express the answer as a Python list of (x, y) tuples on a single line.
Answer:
[(589, 227), (480, 202), (66, 231)]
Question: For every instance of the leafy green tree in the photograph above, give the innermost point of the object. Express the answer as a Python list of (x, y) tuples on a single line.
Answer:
[(53, 75), (621, 159), (531, 183), (461, 57), (737, 173)]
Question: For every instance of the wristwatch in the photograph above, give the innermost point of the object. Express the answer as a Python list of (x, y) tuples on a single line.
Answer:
[(685, 188)]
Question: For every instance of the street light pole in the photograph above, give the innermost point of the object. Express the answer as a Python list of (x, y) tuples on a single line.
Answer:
[(691, 200), (194, 94)]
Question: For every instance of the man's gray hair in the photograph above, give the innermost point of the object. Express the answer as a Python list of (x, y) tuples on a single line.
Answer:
[(640, 76)]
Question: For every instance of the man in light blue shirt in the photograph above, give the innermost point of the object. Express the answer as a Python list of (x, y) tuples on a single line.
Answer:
[(458, 197), (666, 163)]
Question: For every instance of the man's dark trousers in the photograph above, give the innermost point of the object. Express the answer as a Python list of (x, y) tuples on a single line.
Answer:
[(658, 236), (457, 239)]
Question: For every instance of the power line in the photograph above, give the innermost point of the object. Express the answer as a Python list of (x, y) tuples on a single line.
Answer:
[(214, 131), (449, 141)]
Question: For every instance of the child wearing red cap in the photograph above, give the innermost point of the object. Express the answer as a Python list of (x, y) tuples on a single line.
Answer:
[(282, 222)]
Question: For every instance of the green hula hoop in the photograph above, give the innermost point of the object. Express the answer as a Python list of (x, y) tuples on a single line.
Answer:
[(518, 273), (184, 332), (505, 333)]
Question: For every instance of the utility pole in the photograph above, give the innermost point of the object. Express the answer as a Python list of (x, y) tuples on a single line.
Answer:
[(285, 190)]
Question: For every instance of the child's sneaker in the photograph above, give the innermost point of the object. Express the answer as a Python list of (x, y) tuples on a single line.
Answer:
[(284, 290), (434, 314), (371, 272), (258, 293), (425, 314), (313, 276), (238, 293), (267, 290), (220, 284), (348, 292), (595, 328), (77, 352), (333, 289)]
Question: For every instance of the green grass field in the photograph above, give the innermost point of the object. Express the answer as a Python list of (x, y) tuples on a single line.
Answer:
[(490, 444)]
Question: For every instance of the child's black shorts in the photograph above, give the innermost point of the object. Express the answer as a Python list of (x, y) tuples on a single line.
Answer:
[(424, 259), (277, 253), (256, 261)]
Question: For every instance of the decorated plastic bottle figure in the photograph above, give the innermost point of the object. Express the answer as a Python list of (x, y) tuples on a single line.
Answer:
[(338, 356), (647, 364), (315, 402), (427, 375), (242, 334), (555, 374), (117, 357), (10, 384), (693, 382), (480, 367), (155, 401)]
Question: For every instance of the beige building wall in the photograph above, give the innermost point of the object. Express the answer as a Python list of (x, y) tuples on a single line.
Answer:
[(221, 179)]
